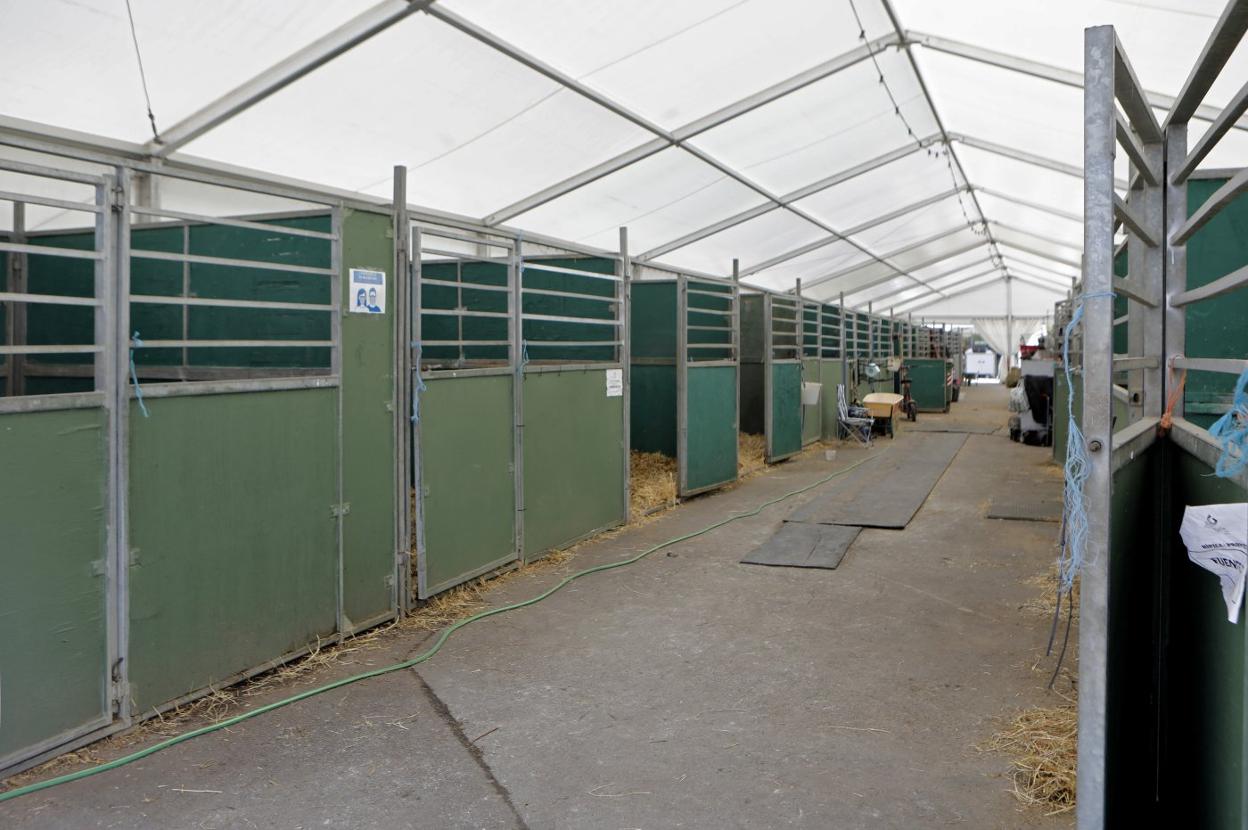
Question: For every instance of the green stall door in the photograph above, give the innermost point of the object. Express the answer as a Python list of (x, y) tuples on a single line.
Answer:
[(711, 448), (233, 535), (786, 411), (830, 377), (466, 441), (927, 384), (812, 419), (54, 661), (573, 457)]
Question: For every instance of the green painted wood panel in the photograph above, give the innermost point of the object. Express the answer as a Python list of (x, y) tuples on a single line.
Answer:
[(652, 405), (368, 412), (53, 652), (786, 410), (830, 373), (469, 483), (927, 384), (234, 555), (573, 458), (652, 323), (812, 417), (712, 436)]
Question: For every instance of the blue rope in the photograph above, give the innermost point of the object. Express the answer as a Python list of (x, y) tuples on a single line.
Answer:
[(524, 353), (419, 386), (135, 343), (1076, 468), (1231, 431)]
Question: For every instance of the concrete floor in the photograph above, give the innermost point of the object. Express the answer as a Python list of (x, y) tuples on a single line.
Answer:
[(685, 691)]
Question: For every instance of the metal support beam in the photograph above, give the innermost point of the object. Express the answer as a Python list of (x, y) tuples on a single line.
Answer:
[(993, 272), (1226, 35), (1221, 197), (936, 237), (1045, 71), (930, 280), (675, 137), (1041, 284), (960, 292), (1052, 211), (324, 49), (1033, 159), (940, 124), (15, 313), (541, 67), (864, 226), (1209, 140), (794, 196), (1135, 151)]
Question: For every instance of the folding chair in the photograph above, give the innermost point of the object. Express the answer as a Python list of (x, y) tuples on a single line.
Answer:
[(859, 428)]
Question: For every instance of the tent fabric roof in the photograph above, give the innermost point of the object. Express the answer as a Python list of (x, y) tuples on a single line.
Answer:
[(906, 153)]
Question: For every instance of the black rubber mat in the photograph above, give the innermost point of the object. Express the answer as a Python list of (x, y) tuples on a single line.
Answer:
[(1021, 508), (802, 545), (887, 492)]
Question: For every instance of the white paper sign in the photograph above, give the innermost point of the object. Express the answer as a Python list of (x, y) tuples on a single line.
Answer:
[(1216, 536), (368, 291), (615, 383)]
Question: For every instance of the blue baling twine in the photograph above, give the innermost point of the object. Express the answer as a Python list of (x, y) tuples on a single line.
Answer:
[(1231, 432), (135, 343), (1076, 469), (419, 386), (524, 353)]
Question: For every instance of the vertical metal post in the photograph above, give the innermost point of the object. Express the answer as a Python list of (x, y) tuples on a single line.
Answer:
[(844, 344), (402, 395), (1098, 311), (624, 313), (1174, 258), (339, 311), (736, 353), (112, 317), (516, 276), (1009, 321), (15, 313), (682, 384)]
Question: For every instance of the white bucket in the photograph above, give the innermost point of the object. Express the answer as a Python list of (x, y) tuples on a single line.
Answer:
[(810, 393)]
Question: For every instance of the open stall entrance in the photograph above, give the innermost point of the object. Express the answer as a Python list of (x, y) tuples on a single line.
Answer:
[(685, 377), (771, 373)]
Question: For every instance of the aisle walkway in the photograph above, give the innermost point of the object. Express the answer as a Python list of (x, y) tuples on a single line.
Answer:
[(686, 691)]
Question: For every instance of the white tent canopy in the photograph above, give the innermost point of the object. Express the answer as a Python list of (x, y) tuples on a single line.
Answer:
[(909, 154)]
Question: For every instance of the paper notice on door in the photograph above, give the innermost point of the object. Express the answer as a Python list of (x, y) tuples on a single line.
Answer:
[(1216, 536), (615, 383)]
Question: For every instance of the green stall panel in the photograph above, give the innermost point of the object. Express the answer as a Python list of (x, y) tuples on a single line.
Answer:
[(812, 420), (830, 375), (786, 411), (369, 475), (54, 652), (1215, 328), (233, 538), (652, 406), (466, 442), (711, 447), (573, 458), (927, 384)]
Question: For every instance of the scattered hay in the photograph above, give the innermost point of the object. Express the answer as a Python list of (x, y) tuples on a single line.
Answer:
[(1045, 601), (652, 479), (1044, 745), (751, 454)]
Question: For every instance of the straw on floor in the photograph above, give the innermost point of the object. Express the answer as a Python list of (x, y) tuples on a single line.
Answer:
[(652, 482)]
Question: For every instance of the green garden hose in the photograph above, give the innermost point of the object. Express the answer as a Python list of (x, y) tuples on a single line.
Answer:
[(415, 661)]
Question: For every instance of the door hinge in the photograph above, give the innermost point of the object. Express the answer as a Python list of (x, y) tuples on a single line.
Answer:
[(117, 197), (340, 510)]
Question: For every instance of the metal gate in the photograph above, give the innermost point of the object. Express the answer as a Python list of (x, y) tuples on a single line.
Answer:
[(62, 675)]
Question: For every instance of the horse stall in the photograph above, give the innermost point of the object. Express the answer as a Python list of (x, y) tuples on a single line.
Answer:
[(520, 396), (162, 368), (684, 377), (771, 373)]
